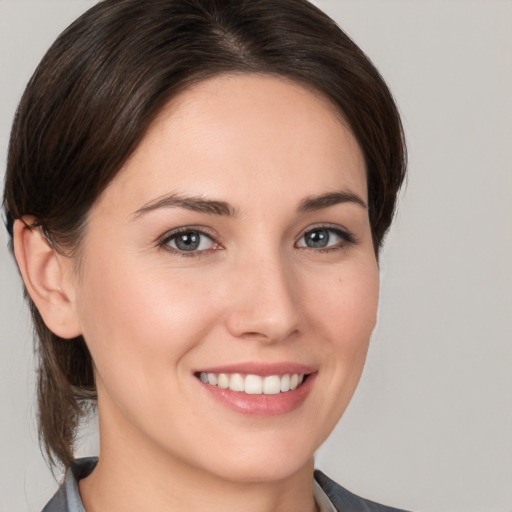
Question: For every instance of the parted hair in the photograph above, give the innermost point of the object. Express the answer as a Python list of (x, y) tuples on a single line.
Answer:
[(102, 83)]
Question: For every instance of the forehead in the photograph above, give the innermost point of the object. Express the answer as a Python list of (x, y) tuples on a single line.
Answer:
[(248, 133)]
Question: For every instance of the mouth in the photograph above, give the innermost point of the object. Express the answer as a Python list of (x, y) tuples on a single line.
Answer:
[(259, 389), (252, 384)]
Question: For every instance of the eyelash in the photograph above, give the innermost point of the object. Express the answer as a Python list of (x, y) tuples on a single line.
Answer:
[(347, 238), (173, 235)]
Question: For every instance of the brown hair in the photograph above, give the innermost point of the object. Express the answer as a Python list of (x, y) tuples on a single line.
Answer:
[(97, 90)]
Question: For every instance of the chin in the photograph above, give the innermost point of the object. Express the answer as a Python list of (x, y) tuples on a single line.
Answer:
[(260, 461), (246, 472)]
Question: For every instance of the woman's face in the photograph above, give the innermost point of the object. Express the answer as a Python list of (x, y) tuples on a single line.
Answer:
[(234, 247)]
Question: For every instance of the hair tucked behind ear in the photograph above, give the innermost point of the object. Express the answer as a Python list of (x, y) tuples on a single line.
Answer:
[(100, 86)]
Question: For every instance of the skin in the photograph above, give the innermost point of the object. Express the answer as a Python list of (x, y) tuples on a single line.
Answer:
[(152, 317)]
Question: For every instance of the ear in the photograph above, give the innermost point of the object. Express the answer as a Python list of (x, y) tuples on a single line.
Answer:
[(48, 277)]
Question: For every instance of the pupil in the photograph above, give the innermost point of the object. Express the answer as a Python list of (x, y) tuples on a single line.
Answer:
[(317, 238), (188, 241)]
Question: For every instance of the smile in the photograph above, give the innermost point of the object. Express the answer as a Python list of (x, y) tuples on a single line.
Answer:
[(253, 384)]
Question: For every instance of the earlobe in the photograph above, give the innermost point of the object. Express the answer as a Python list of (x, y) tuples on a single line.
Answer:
[(46, 275)]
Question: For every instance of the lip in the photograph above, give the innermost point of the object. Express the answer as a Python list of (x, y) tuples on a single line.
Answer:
[(262, 369), (262, 405)]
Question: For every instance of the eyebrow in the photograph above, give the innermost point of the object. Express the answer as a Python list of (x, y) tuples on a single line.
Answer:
[(213, 207), (313, 203), (193, 203)]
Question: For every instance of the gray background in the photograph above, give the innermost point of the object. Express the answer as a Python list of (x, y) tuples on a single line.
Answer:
[(430, 427)]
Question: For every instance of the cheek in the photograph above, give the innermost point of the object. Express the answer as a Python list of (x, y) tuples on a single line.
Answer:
[(346, 314), (341, 307), (136, 319), (346, 305)]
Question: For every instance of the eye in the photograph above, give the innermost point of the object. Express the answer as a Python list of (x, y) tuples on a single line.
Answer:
[(324, 238), (189, 241)]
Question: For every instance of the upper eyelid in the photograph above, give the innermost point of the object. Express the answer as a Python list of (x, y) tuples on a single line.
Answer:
[(348, 236), (215, 237), (183, 229), (327, 226), (163, 242)]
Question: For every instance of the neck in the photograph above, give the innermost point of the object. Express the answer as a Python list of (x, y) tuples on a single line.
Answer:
[(133, 475)]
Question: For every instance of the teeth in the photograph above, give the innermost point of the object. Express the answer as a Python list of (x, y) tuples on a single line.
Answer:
[(272, 385), (253, 384), (223, 381), (237, 382), (285, 383)]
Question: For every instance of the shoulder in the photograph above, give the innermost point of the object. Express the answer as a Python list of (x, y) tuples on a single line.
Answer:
[(67, 498), (58, 503), (346, 501)]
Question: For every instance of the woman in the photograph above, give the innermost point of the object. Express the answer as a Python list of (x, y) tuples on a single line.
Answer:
[(197, 192)]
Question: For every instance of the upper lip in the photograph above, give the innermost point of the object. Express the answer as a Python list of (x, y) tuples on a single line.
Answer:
[(263, 369)]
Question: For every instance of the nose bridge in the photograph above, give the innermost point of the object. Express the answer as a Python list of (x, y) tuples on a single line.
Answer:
[(264, 303)]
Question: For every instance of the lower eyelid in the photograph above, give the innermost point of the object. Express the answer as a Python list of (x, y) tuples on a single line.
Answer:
[(345, 237), (166, 239)]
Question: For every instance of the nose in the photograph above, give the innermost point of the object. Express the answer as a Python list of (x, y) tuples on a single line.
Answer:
[(264, 300)]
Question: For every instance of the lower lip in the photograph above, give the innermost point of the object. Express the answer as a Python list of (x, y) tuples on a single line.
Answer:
[(262, 405)]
